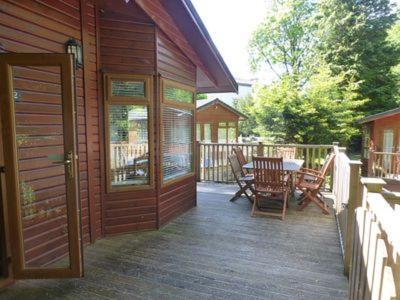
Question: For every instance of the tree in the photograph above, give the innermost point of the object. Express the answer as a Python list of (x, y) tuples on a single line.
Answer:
[(284, 41), (201, 96), (353, 40), (247, 127), (319, 113)]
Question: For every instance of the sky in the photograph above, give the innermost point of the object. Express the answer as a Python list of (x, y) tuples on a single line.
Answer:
[(230, 24)]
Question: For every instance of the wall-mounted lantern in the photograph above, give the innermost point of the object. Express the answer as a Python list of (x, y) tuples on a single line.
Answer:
[(74, 47)]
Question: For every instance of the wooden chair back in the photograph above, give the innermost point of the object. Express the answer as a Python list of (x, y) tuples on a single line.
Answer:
[(269, 175), (286, 152), (236, 167), (327, 164), (240, 156)]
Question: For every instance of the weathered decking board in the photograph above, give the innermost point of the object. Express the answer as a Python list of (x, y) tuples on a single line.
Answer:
[(215, 250)]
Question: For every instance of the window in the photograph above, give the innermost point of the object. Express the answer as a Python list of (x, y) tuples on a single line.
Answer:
[(198, 132), (231, 134), (222, 135), (226, 132), (207, 133), (128, 124), (177, 130), (366, 142)]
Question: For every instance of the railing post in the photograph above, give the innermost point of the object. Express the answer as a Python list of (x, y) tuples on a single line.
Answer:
[(260, 149), (371, 159), (198, 162), (353, 202), (334, 145), (371, 185)]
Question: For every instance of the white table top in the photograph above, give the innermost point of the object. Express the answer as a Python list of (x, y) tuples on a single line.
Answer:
[(291, 165)]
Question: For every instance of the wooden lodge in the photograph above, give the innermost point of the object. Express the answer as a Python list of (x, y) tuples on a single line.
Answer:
[(381, 143), (101, 142), (218, 122)]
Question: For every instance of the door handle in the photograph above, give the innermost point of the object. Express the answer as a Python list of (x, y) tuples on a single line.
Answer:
[(67, 160)]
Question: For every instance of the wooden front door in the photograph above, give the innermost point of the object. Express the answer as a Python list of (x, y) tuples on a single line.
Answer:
[(38, 115)]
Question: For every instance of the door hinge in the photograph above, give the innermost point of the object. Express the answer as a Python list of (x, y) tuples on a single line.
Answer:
[(2, 169)]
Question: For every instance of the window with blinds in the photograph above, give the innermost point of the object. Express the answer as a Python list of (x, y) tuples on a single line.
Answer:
[(121, 88), (128, 130), (176, 94), (177, 150), (178, 130)]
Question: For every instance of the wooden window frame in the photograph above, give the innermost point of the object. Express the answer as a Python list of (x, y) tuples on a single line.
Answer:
[(227, 126), (140, 101), (180, 105)]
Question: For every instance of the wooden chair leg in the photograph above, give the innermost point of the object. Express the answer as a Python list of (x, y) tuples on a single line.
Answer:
[(285, 205), (253, 210), (238, 194), (312, 197)]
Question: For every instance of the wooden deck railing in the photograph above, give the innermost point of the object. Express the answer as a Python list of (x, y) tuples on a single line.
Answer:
[(384, 165), (212, 158), (375, 252)]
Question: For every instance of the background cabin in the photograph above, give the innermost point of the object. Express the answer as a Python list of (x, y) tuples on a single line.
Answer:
[(381, 133), (218, 122), (98, 122)]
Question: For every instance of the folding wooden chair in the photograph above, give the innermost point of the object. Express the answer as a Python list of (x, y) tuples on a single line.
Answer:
[(285, 152), (244, 181), (241, 158), (310, 182), (271, 185)]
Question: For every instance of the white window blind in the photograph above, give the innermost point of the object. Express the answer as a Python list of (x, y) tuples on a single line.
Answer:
[(121, 88), (177, 150)]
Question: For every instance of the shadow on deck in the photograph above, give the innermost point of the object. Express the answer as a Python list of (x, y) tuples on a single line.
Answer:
[(215, 250)]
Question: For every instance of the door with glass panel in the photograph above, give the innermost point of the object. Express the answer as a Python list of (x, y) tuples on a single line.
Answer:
[(128, 120), (388, 143), (38, 113)]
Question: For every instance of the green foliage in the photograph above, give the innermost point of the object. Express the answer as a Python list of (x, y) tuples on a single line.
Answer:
[(247, 127), (284, 41), (201, 96), (319, 113), (335, 63), (353, 39)]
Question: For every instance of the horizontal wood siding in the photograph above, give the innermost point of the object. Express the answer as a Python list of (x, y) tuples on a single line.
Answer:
[(92, 110), (215, 114), (172, 63), (176, 199), (44, 27), (128, 47), (380, 125)]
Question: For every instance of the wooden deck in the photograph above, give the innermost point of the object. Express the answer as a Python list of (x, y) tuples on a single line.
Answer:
[(215, 250)]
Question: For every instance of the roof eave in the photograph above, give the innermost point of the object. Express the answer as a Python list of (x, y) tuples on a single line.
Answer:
[(378, 116), (207, 38)]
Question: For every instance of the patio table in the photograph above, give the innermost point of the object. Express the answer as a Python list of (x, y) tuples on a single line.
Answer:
[(289, 165)]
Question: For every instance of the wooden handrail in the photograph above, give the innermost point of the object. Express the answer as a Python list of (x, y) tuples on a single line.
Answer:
[(212, 158), (375, 255)]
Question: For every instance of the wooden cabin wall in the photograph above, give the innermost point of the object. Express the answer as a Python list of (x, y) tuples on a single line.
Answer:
[(44, 27), (92, 74), (172, 63), (213, 115), (180, 196), (380, 125), (128, 47)]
